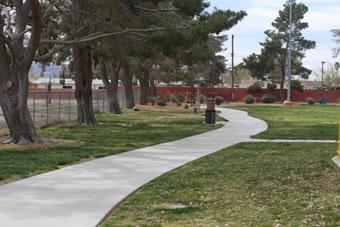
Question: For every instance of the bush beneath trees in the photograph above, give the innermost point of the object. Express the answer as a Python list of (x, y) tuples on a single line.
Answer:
[(180, 98), (256, 87), (173, 99), (249, 99), (167, 96), (153, 100), (310, 101), (162, 102), (268, 98), (203, 98)]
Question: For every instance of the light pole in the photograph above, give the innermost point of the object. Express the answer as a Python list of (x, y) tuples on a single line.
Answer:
[(322, 78), (232, 71), (290, 50)]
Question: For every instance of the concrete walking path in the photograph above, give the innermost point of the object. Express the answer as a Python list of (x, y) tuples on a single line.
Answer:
[(82, 195)]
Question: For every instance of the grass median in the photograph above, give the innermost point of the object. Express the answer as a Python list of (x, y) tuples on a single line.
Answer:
[(114, 134)]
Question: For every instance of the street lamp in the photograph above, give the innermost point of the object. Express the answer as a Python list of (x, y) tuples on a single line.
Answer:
[(322, 78)]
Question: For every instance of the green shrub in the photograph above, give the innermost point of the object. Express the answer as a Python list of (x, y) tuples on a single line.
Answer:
[(173, 99), (180, 98), (162, 102), (249, 99), (271, 87), (186, 106), (310, 101), (167, 96), (267, 98), (219, 98), (178, 103), (153, 100), (256, 87), (203, 98)]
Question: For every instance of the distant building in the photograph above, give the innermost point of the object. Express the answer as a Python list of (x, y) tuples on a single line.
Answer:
[(57, 83)]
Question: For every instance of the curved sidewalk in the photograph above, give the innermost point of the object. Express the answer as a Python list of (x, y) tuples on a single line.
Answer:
[(82, 195)]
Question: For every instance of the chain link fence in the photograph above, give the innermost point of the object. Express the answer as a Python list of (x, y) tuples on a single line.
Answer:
[(47, 108)]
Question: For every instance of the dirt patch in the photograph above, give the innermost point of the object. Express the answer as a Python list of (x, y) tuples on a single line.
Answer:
[(43, 143), (170, 105)]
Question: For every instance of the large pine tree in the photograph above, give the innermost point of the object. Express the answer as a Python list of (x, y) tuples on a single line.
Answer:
[(274, 52)]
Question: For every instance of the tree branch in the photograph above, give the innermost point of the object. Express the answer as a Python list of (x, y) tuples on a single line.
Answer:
[(156, 10), (36, 34), (97, 37), (45, 57), (8, 30), (104, 72)]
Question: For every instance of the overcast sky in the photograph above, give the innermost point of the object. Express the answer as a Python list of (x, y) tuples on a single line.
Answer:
[(323, 16)]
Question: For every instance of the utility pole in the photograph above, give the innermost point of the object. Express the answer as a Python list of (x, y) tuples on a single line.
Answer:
[(322, 79), (232, 70), (198, 97), (290, 51)]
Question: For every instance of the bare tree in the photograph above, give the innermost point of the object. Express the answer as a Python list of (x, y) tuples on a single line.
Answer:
[(336, 35)]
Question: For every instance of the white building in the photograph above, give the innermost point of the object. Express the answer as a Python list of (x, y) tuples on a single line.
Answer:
[(56, 83)]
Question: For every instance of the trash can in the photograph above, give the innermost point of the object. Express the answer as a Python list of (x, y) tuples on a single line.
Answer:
[(210, 116), (324, 101), (210, 104)]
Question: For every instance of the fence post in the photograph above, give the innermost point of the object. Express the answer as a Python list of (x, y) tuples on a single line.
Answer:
[(103, 102), (69, 106), (59, 106), (47, 101), (107, 101), (97, 101), (34, 108)]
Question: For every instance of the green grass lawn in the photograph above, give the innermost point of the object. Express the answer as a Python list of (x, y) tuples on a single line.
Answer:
[(114, 134), (250, 184), (298, 122)]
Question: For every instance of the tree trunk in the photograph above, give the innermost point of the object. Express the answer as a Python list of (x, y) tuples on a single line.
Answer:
[(130, 100), (144, 87), (192, 92), (13, 101), (153, 91), (112, 94), (82, 61), (112, 88), (15, 62)]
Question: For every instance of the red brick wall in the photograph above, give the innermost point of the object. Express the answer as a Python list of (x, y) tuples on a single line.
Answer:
[(240, 93)]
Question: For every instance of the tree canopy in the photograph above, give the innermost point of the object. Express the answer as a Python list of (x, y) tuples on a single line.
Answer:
[(78, 29), (274, 52)]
